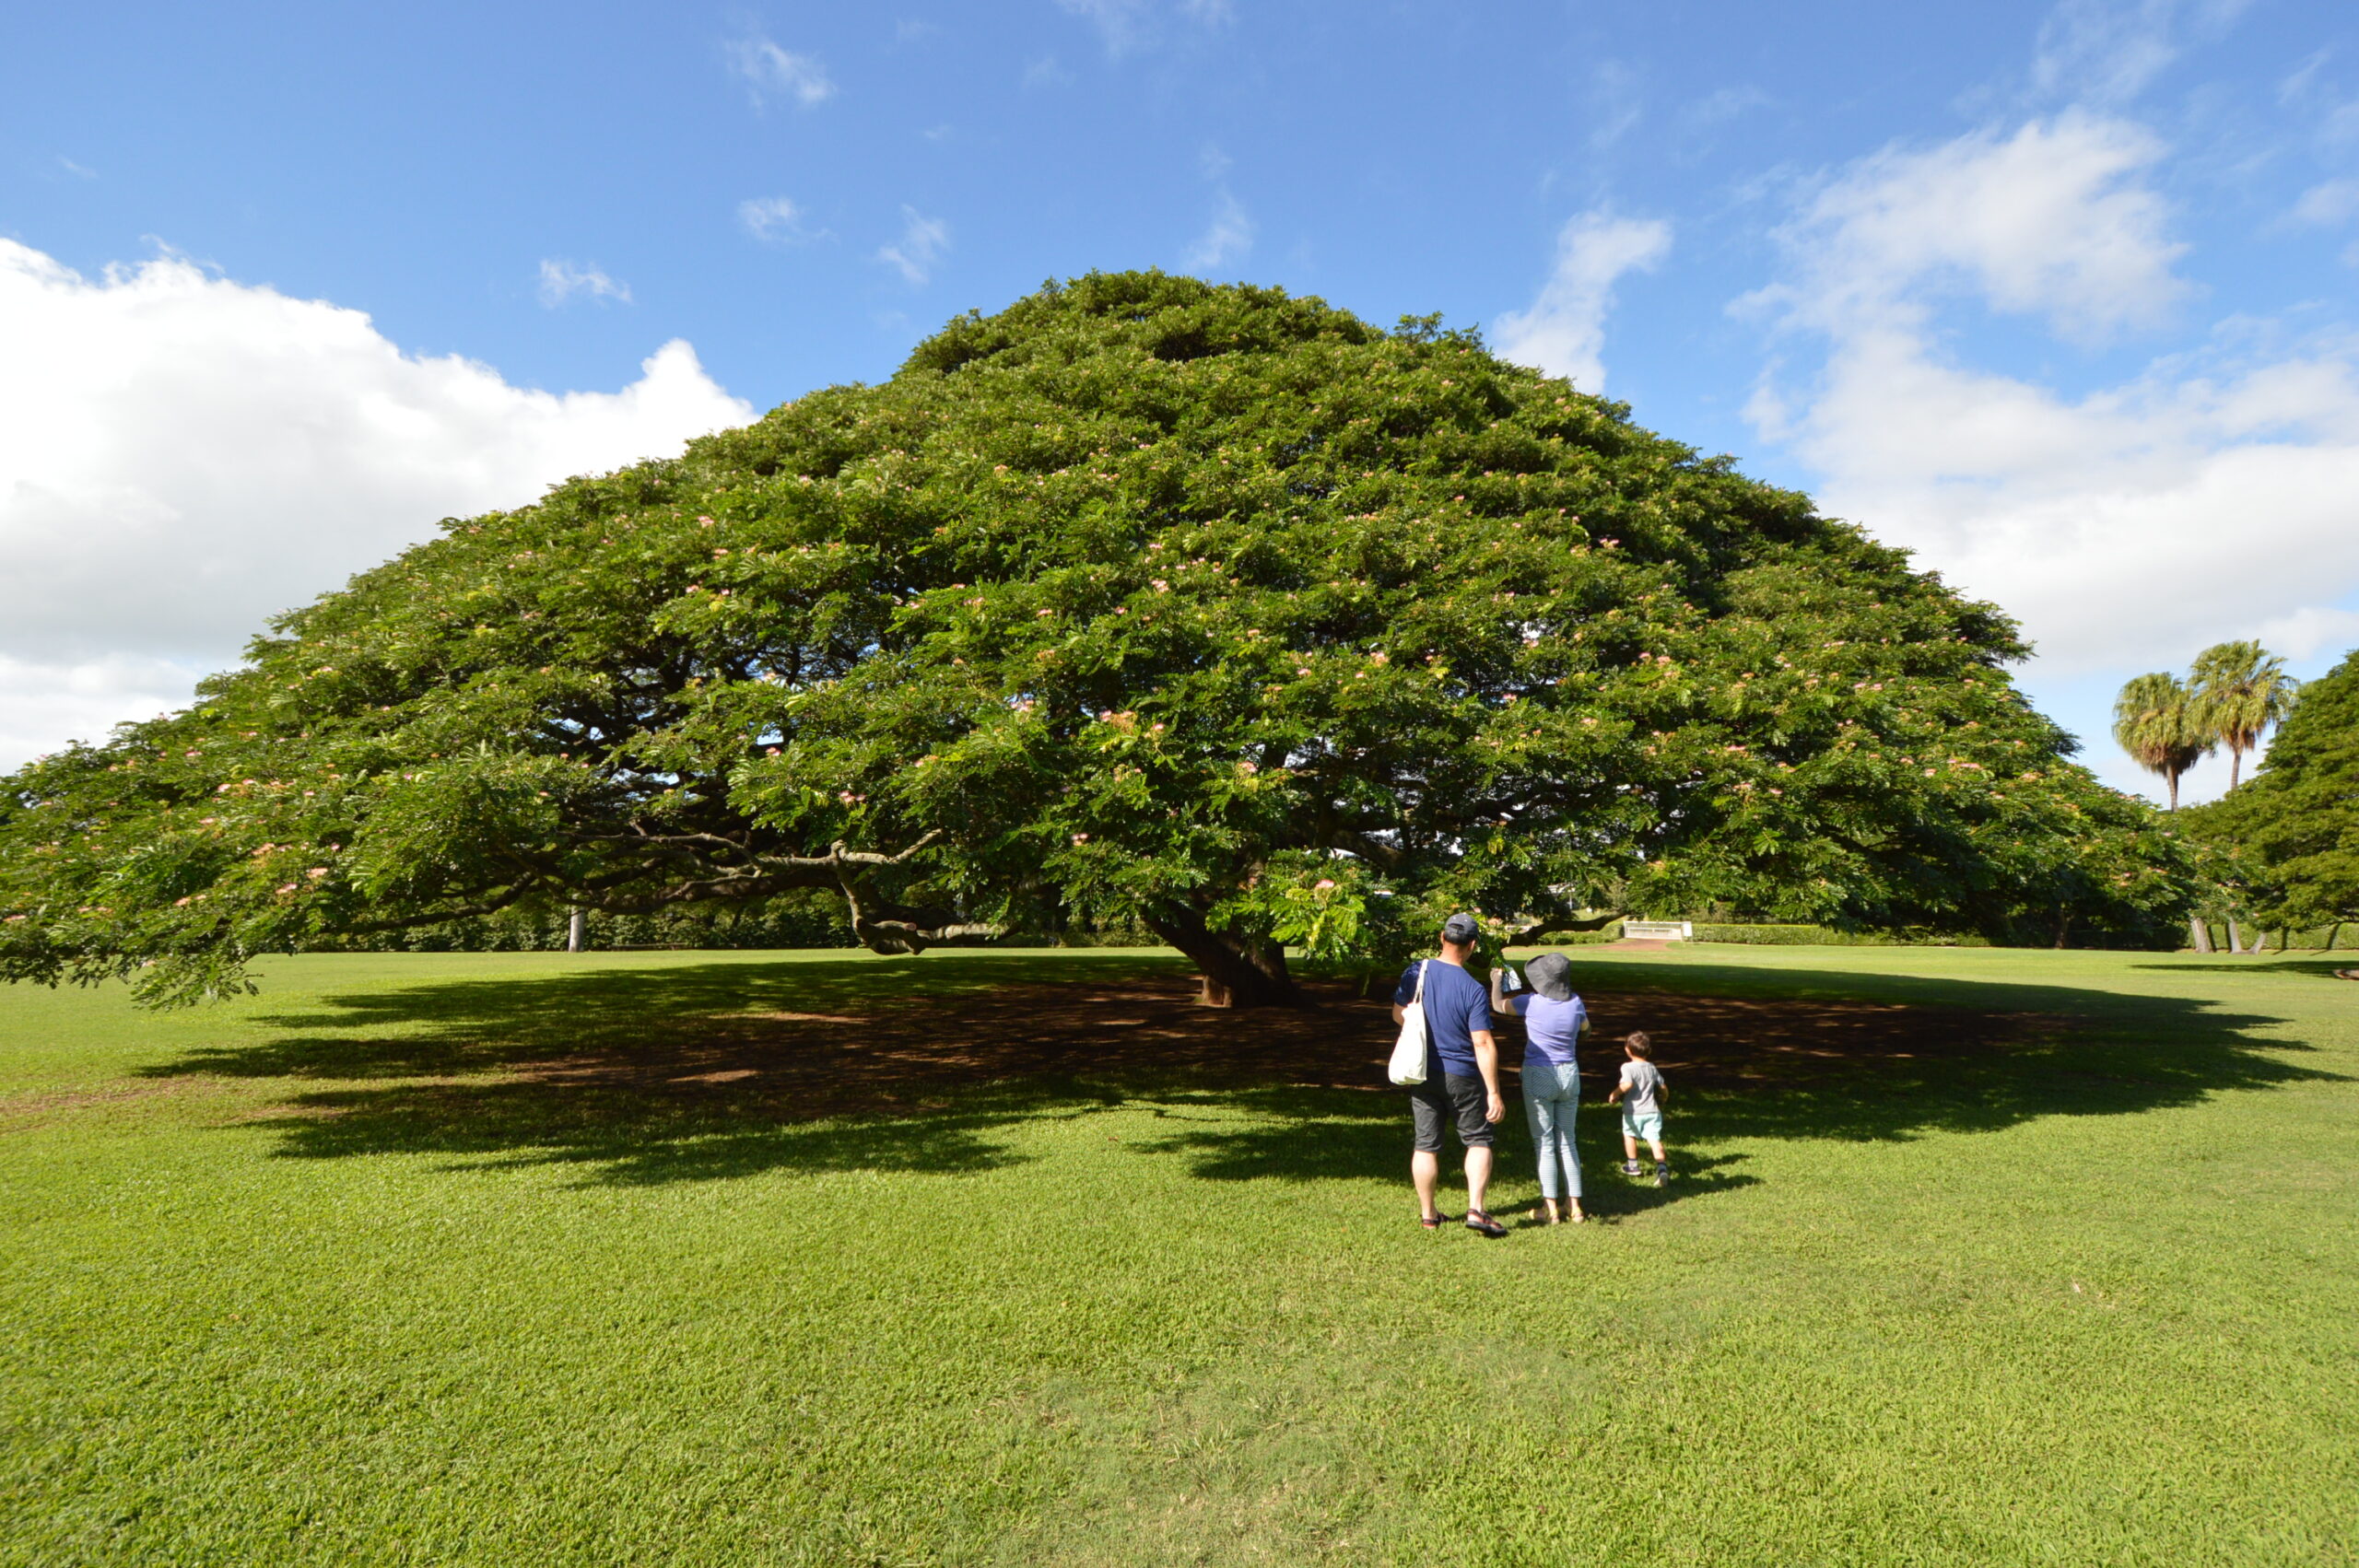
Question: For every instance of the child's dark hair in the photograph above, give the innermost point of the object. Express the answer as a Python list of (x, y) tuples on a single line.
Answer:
[(1638, 1045)]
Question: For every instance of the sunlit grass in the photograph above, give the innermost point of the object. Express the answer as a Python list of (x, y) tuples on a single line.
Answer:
[(316, 1278)]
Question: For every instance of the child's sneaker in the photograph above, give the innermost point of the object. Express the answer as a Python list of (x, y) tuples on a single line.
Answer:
[(1630, 1167), (1662, 1174)]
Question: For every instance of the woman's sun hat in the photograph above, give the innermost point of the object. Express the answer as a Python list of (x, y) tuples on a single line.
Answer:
[(1551, 975)]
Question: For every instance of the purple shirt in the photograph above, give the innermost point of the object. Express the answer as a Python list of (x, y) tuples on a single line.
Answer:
[(1551, 1029)]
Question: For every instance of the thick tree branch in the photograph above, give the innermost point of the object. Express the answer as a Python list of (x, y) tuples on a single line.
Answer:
[(1374, 850)]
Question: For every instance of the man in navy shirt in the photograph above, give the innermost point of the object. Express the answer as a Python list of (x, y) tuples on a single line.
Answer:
[(1461, 1072)]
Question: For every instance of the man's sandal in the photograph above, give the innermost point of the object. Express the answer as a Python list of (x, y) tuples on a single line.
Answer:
[(1484, 1225), (1433, 1221)]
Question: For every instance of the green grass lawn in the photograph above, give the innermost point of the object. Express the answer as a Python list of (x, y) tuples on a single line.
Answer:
[(319, 1277)]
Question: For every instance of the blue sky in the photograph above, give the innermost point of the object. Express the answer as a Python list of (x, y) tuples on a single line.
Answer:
[(2062, 296)]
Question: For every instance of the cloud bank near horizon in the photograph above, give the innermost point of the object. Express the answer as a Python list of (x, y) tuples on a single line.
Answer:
[(182, 456), (2126, 526)]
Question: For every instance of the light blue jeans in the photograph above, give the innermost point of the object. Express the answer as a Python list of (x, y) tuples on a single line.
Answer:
[(1551, 1095)]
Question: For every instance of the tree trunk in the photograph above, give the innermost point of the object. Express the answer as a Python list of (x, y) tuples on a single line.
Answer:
[(2063, 924), (2235, 764), (573, 930), (1235, 973), (2236, 939), (2174, 806), (2199, 931)]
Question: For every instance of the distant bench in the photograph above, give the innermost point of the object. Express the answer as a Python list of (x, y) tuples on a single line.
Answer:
[(1657, 930)]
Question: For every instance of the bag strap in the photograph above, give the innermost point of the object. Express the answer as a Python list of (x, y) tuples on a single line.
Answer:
[(1418, 995)]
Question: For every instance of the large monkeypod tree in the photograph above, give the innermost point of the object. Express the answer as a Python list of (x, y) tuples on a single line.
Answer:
[(1206, 608)]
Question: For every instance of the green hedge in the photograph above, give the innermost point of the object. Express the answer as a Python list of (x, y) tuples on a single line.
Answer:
[(1825, 936), (803, 919)]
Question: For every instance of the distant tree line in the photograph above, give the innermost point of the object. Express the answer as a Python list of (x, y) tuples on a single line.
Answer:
[(2280, 849), (2235, 693)]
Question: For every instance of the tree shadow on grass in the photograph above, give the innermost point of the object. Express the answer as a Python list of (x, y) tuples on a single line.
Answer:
[(1855, 1056), (2324, 967), (1292, 1134), (706, 1071), (690, 1071), (633, 1153)]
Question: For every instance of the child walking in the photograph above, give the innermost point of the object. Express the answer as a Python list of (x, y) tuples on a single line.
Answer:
[(1642, 1111)]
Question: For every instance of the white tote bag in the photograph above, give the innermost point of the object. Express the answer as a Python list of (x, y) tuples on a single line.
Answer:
[(1407, 1067)]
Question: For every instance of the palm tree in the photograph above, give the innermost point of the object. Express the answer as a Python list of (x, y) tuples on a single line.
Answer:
[(2240, 689), (2156, 720)]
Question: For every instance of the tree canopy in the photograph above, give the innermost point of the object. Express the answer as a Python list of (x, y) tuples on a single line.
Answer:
[(2294, 825), (2239, 690), (1206, 607), (2159, 722)]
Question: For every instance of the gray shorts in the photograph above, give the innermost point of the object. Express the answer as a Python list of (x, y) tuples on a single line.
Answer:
[(1435, 1103)]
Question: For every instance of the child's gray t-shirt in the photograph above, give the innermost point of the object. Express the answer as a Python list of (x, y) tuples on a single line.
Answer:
[(1639, 1082)]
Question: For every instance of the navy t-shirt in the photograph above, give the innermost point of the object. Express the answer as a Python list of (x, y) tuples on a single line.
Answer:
[(1456, 1005)]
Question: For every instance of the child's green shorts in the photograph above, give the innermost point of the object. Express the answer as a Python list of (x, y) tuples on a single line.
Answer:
[(1646, 1129)]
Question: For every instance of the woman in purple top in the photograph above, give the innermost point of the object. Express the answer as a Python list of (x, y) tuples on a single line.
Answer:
[(1553, 1020)]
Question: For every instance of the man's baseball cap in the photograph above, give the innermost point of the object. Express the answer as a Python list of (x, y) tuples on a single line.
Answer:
[(1460, 930)]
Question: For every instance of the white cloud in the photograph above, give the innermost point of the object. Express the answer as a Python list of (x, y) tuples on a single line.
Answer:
[(1130, 25), (182, 456), (1614, 103), (1564, 332), (2296, 85), (923, 243), (2093, 51), (1228, 237), (2051, 220), (2106, 52), (564, 281), (767, 69), (1717, 108), (774, 220), (1118, 21), (2330, 204), (2127, 527), (1045, 73), (2311, 632), (45, 703)]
